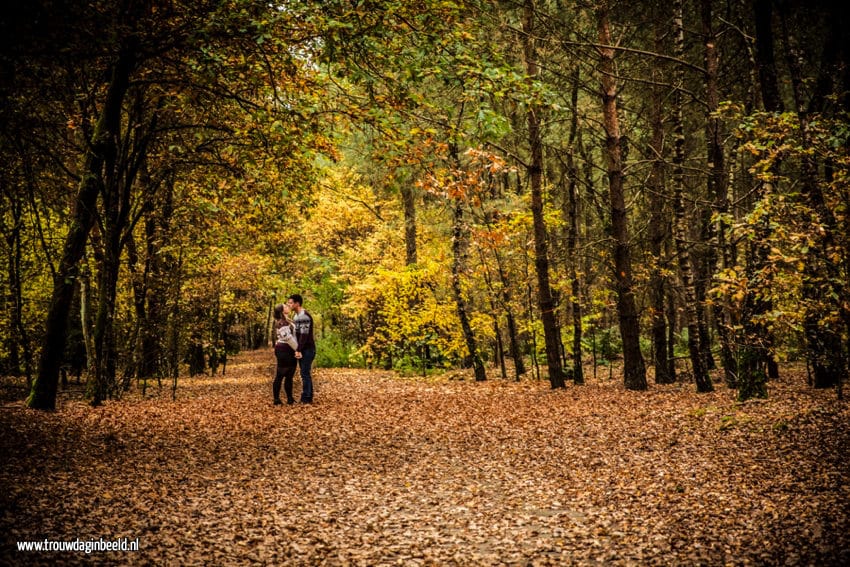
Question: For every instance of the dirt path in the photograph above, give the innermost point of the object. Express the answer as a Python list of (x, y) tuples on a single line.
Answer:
[(384, 471)]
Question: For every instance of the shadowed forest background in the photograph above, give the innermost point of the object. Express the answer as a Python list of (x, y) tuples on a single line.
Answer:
[(653, 194)]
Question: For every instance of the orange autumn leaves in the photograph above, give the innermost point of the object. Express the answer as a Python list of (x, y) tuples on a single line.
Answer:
[(383, 470)]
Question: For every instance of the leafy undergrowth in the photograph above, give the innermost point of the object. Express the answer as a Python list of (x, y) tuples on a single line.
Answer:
[(382, 470)]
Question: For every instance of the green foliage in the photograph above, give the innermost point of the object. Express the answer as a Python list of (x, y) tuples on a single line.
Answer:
[(609, 343), (332, 351), (680, 347)]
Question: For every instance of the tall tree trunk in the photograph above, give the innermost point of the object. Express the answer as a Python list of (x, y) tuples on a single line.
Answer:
[(86, 324), (772, 100), (753, 353), (703, 381), (658, 223), (634, 369), (573, 233), (718, 188), (175, 316), (529, 313), (730, 259), (686, 271), (103, 143), (154, 327), (500, 343), (13, 360), (551, 331), (841, 23), (765, 58), (102, 383), (116, 196), (572, 240), (508, 305), (458, 265)]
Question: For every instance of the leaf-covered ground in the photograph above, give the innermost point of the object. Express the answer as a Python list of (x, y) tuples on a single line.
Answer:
[(388, 471)]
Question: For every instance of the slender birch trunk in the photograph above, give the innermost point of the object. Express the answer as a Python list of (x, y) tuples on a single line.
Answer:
[(683, 251)]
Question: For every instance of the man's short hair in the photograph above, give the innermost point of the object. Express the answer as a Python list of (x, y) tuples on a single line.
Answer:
[(297, 298)]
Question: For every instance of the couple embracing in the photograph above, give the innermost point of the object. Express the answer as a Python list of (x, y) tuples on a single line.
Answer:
[(293, 346)]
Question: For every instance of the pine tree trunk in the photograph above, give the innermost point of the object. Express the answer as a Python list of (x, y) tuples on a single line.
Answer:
[(573, 214), (634, 369), (658, 225), (551, 331)]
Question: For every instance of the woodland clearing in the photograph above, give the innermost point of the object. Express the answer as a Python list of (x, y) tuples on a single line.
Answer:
[(384, 470)]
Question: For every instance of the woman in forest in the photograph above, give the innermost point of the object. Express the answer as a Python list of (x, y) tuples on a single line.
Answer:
[(284, 351)]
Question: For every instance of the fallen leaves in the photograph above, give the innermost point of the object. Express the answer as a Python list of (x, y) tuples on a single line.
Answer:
[(386, 471)]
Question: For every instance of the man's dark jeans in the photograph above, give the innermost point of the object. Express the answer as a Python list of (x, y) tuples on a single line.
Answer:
[(305, 364)]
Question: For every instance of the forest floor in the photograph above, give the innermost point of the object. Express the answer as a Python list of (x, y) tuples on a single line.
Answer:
[(383, 470)]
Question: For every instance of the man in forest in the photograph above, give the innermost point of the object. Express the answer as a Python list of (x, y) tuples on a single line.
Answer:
[(306, 351)]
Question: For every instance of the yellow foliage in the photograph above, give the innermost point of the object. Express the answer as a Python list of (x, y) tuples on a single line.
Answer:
[(404, 313)]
